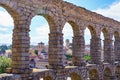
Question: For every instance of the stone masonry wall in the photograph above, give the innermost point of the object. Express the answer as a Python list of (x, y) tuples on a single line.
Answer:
[(57, 13)]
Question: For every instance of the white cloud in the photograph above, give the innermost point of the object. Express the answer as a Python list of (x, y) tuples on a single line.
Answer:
[(87, 36), (41, 34), (3, 29), (5, 19), (5, 38), (5, 23), (67, 32), (112, 11)]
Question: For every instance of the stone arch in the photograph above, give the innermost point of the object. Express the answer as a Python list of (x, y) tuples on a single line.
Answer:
[(53, 20), (92, 30), (117, 72), (55, 36), (75, 76), (105, 33), (50, 20), (94, 46), (107, 45), (107, 74), (54, 32), (77, 43), (11, 9), (93, 74), (116, 46), (116, 35), (74, 26)]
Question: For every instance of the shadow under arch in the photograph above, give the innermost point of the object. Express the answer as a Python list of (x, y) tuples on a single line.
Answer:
[(75, 76), (107, 74), (116, 44), (92, 30), (93, 74), (117, 73), (105, 33), (116, 35), (75, 28), (48, 78)]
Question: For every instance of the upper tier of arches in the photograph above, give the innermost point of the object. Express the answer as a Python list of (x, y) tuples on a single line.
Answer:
[(59, 12)]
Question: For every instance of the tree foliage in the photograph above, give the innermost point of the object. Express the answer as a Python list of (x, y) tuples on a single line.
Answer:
[(68, 56), (36, 52), (5, 62), (87, 57), (3, 48)]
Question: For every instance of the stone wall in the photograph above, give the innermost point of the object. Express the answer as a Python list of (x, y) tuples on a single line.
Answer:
[(57, 13)]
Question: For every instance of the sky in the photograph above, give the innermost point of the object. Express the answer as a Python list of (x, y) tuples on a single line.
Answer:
[(40, 28)]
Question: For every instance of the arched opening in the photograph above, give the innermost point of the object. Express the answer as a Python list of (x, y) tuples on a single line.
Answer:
[(74, 76), (87, 41), (107, 74), (102, 46), (46, 78), (105, 33), (90, 35), (39, 42), (105, 42), (93, 74), (116, 35), (116, 46), (41, 79), (70, 30), (6, 31), (68, 78), (117, 73), (68, 45)]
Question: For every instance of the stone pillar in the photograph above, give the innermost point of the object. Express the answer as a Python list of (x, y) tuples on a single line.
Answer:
[(95, 50), (78, 50), (108, 51), (117, 49), (20, 51), (101, 68), (56, 57)]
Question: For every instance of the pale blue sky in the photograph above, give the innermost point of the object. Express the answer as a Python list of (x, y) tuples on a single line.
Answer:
[(92, 4), (40, 28)]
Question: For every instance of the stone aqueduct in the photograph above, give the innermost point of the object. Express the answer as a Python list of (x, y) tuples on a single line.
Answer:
[(57, 13)]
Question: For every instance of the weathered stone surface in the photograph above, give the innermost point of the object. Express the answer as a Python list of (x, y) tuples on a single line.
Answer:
[(57, 13)]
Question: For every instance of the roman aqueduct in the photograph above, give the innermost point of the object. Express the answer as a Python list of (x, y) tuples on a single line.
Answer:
[(57, 13)]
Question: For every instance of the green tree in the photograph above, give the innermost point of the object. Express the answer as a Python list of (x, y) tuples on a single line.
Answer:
[(87, 57), (10, 47), (68, 56), (3, 48), (5, 62), (36, 52)]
